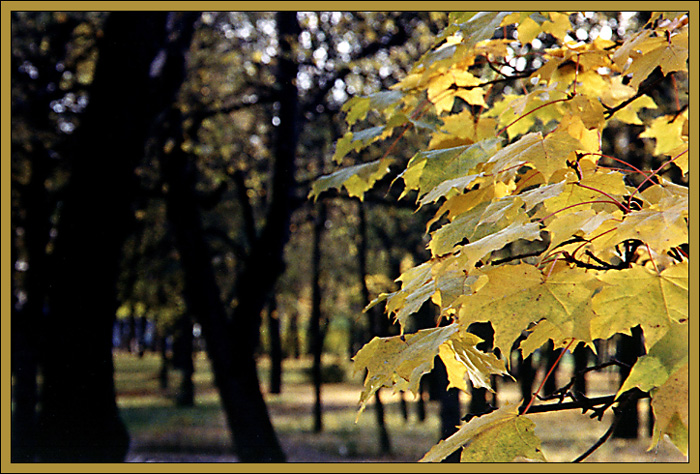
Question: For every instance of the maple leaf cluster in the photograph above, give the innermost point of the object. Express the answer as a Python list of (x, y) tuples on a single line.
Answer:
[(526, 167)]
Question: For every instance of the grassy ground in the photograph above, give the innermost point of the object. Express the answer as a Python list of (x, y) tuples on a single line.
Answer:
[(163, 432)]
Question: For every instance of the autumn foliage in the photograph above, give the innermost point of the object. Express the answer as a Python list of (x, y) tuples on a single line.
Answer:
[(535, 229)]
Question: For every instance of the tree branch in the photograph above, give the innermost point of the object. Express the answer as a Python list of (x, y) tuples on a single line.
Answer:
[(654, 78)]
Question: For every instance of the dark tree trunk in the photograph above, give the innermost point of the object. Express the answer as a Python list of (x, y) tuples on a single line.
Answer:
[(629, 348), (550, 385), (27, 316), (26, 324), (375, 327), (526, 378), (163, 373), (273, 327), (293, 336), (420, 403), (230, 351), (480, 398), (404, 406), (315, 334), (79, 420), (450, 414), (182, 360), (231, 344), (581, 356)]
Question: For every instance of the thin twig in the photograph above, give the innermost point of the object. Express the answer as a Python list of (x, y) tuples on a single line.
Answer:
[(556, 362), (601, 441)]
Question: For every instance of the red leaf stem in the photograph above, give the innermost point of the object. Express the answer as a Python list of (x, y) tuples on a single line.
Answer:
[(556, 362)]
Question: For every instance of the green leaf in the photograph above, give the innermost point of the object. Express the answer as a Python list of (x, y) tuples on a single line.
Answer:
[(639, 296), (664, 358), (427, 169), (356, 179), (671, 410), (500, 436), (562, 299), (356, 141)]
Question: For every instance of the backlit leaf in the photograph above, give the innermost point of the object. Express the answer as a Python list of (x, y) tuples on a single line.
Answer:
[(671, 410), (619, 306), (464, 362), (355, 179), (510, 308), (500, 436), (427, 169)]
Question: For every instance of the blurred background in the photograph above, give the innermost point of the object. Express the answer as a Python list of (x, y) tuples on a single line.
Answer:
[(175, 295)]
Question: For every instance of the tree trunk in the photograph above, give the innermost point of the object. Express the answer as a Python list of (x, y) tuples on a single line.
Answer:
[(26, 323), (231, 344), (629, 348), (581, 356), (315, 335), (526, 378), (293, 335), (375, 328), (550, 385), (479, 402), (182, 360), (79, 421), (450, 416), (273, 326), (231, 355)]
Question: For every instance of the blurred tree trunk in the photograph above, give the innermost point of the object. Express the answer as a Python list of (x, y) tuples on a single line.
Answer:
[(276, 356), (182, 360), (551, 356), (315, 333), (581, 355), (629, 348), (231, 344), (25, 340), (450, 414), (526, 378), (293, 335), (479, 402), (27, 317), (375, 327), (79, 420)]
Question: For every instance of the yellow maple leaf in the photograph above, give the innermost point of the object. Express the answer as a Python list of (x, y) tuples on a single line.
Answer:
[(504, 428), (464, 362), (558, 26), (667, 131), (619, 304), (528, 30), (671, 410)]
